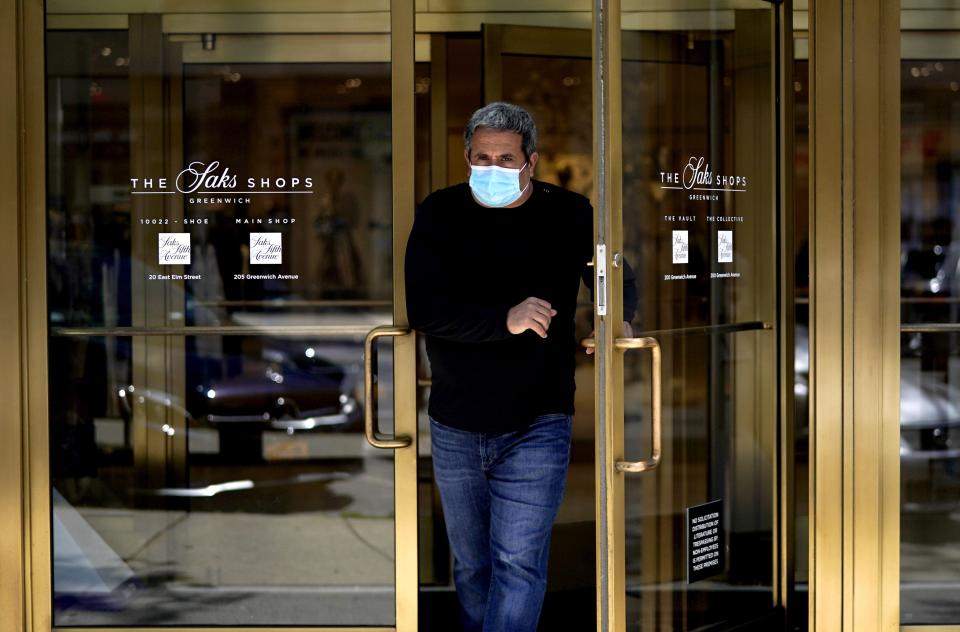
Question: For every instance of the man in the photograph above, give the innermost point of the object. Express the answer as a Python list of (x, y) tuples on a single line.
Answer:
[(493, 268)]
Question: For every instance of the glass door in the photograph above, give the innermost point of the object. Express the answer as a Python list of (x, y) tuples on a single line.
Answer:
[(687, 391), (232, 390), (690, 156)]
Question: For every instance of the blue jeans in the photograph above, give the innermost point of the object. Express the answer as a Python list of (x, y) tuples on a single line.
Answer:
[(500, 496)]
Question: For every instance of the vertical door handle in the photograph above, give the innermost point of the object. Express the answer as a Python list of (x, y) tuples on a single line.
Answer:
[(369, 411), (625, 344)]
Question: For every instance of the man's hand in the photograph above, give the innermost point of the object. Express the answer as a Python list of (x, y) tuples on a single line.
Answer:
[(627, 333), (533, 314)]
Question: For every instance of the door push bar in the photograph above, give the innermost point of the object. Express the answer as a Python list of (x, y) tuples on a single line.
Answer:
[(369, 409), (625, 344)]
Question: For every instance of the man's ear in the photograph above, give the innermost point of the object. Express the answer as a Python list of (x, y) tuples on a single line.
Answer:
[(466, 158), (534, 157)]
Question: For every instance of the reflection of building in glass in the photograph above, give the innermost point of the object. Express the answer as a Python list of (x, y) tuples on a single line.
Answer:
[(346, 250), (339, 263)]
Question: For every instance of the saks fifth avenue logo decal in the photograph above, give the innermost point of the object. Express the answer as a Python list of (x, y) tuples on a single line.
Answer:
[(201, 179), (266, 248), (724, 246), (174, 249), (725, 255), (681, 246), (698, 178)]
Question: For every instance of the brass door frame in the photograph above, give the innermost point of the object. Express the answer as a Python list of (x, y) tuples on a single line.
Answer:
[(25, 584), (608, 230), (22, 180), (405, 348), (855, 315)]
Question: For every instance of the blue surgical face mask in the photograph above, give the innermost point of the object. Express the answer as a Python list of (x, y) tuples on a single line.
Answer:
[(496, 186)]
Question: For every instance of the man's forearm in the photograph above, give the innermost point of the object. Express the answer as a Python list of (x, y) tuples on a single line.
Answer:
[(464, 323)]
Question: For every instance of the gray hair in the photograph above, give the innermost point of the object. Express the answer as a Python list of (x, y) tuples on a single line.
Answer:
[(503, 116)]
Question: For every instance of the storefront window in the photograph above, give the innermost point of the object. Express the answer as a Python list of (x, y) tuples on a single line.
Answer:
[(930, 354)]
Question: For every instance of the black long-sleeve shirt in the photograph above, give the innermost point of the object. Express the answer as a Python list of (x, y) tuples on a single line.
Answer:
[(466, 266)]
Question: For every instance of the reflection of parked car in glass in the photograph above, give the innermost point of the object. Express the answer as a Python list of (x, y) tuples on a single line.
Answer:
[(929, 432), (288, 385), (290, 388), (930, 288), (929, 443), (930, 393)]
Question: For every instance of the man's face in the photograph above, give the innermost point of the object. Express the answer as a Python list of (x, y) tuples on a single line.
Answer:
[(502, 148)]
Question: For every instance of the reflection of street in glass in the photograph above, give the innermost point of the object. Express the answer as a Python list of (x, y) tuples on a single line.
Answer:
[(929, 557), (296, 549)]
